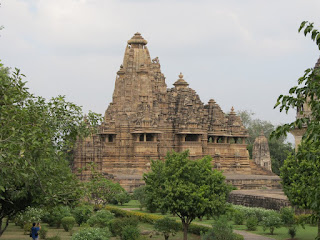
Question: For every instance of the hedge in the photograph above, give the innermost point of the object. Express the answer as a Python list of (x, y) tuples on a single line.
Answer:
[(152, 218)]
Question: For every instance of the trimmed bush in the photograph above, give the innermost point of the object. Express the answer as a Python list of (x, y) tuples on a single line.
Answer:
[(259, 213), (27, 228), (68, 223), (287, 216), (82, 213), (122, 197), (54, 238), (271, 222), (54, 215), (101, 219), (238, 217), (92, 234), (116, 225), (130, 232), (167, 227), (221, 230), (252, 223), (43, 232), (197, 229), (292, 231)]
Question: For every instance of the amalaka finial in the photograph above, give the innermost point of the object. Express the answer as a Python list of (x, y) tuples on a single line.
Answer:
[(181, 75), (137, 39)]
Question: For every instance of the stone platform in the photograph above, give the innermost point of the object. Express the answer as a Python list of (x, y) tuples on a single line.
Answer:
[(266, 198), (253, 181)]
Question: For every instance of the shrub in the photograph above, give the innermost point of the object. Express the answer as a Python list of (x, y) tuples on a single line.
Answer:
[(140, 195), (54, 215), (259, 213), (238, 217), (252, 223), (30, 215), (43, 232), (82, 213), (117, 225), (292, 231), (122, 197), (221, 230), (27, 228), (167, 227), (130, 232), (54, 238), (100, 219), (271, 222), (92, 234), (287, 216), (197, 229), (68, 223)]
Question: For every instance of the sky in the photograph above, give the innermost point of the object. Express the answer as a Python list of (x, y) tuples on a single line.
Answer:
[(240, 53)]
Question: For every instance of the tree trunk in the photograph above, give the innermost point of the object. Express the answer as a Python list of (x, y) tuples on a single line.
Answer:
[(5, 227), (318, 229), (185, 231)]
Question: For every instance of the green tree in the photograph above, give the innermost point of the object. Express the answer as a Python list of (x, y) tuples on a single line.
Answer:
[(36, 139), (279, 148), (300, 172), (167, 227), (101, 190), (186, 188)]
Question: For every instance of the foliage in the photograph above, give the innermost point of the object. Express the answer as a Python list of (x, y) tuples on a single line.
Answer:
[(27, 228), (130, 232), (140, 195), (279, 149), (238, 217), (259, 213), (271, 222), (68, 223), (221, 230), (30, 215), (300, 173), (187, 188), (82, 213), (122, 197), (100, 219), (287, 216), (292, 231), (99, 189), (117, 225), (43, 232), (54, 215), (54, 238), (36, 141), (252, 223), (92, 234), (167, 227)]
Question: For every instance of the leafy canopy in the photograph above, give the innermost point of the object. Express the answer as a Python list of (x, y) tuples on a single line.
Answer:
[(187, 188)]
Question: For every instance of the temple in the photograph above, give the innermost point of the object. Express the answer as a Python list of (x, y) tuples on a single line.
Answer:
[(146, 119)]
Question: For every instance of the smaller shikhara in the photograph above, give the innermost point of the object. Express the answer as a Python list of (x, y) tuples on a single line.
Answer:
[(145, 120)]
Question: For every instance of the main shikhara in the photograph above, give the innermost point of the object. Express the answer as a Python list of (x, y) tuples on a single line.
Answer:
[(146, 119)]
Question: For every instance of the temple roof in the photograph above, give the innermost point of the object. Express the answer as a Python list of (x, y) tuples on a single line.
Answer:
[(137, 39), (181, 82)]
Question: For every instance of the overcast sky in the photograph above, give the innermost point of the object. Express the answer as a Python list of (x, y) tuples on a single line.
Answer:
[(240, 53)]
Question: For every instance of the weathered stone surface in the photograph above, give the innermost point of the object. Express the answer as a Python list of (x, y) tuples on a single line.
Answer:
[(261, 152), (146, 119)]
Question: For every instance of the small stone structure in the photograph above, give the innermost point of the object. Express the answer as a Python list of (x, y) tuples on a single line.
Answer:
[(261, 152), (146, 119)]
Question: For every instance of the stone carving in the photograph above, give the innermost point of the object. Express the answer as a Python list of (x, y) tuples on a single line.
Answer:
[(146, 119), (261, 152)]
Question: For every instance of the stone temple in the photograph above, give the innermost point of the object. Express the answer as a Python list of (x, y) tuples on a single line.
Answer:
[(146, 119)]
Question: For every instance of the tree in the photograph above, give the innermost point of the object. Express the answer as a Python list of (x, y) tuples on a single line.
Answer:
[(167, 227), (300, 172), (279, 149), (101, 190), (36, 139), (186, 188)]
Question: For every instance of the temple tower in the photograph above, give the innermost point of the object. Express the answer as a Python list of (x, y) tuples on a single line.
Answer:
[(261, 152)]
